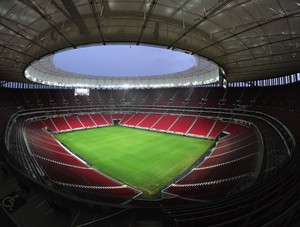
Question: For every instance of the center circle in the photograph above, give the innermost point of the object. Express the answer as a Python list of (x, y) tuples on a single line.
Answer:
[(123, 61)]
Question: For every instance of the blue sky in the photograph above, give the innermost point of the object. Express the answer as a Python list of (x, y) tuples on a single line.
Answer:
[(123, 60)]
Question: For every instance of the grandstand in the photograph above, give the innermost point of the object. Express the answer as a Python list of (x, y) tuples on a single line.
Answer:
[(245, 99)]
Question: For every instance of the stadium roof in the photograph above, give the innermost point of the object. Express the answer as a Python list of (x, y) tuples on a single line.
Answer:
[(250, 39)]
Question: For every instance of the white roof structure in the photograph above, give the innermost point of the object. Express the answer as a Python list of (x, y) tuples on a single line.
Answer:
[(46, 72), (249, 39)]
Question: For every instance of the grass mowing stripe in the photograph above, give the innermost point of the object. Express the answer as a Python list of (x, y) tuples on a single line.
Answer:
[(146, 160)]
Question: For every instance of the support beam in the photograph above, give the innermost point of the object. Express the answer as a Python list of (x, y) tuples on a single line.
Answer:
[(180, 8), (150, 11), (57, 6), (76, 17), (254, 47), (209, 14), (14, 60), (45, 18), (97, 21), (247, 30), (20, 52), (24, 37)]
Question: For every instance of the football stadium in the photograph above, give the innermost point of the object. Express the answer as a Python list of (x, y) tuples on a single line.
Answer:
[(149, 113)]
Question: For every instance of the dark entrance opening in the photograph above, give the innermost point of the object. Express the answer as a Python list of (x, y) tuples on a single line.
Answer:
[(116, 121)]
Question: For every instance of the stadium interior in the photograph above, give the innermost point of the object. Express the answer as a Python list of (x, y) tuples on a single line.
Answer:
[(246, 100)]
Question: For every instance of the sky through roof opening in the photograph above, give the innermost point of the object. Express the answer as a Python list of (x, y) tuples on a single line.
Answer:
[(123, 61)]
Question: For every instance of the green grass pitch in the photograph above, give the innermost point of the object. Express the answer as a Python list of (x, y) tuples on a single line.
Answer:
[(146, 160)]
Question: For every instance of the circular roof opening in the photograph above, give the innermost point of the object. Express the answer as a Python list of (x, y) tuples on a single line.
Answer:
[(123, 61), (122, 67)]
